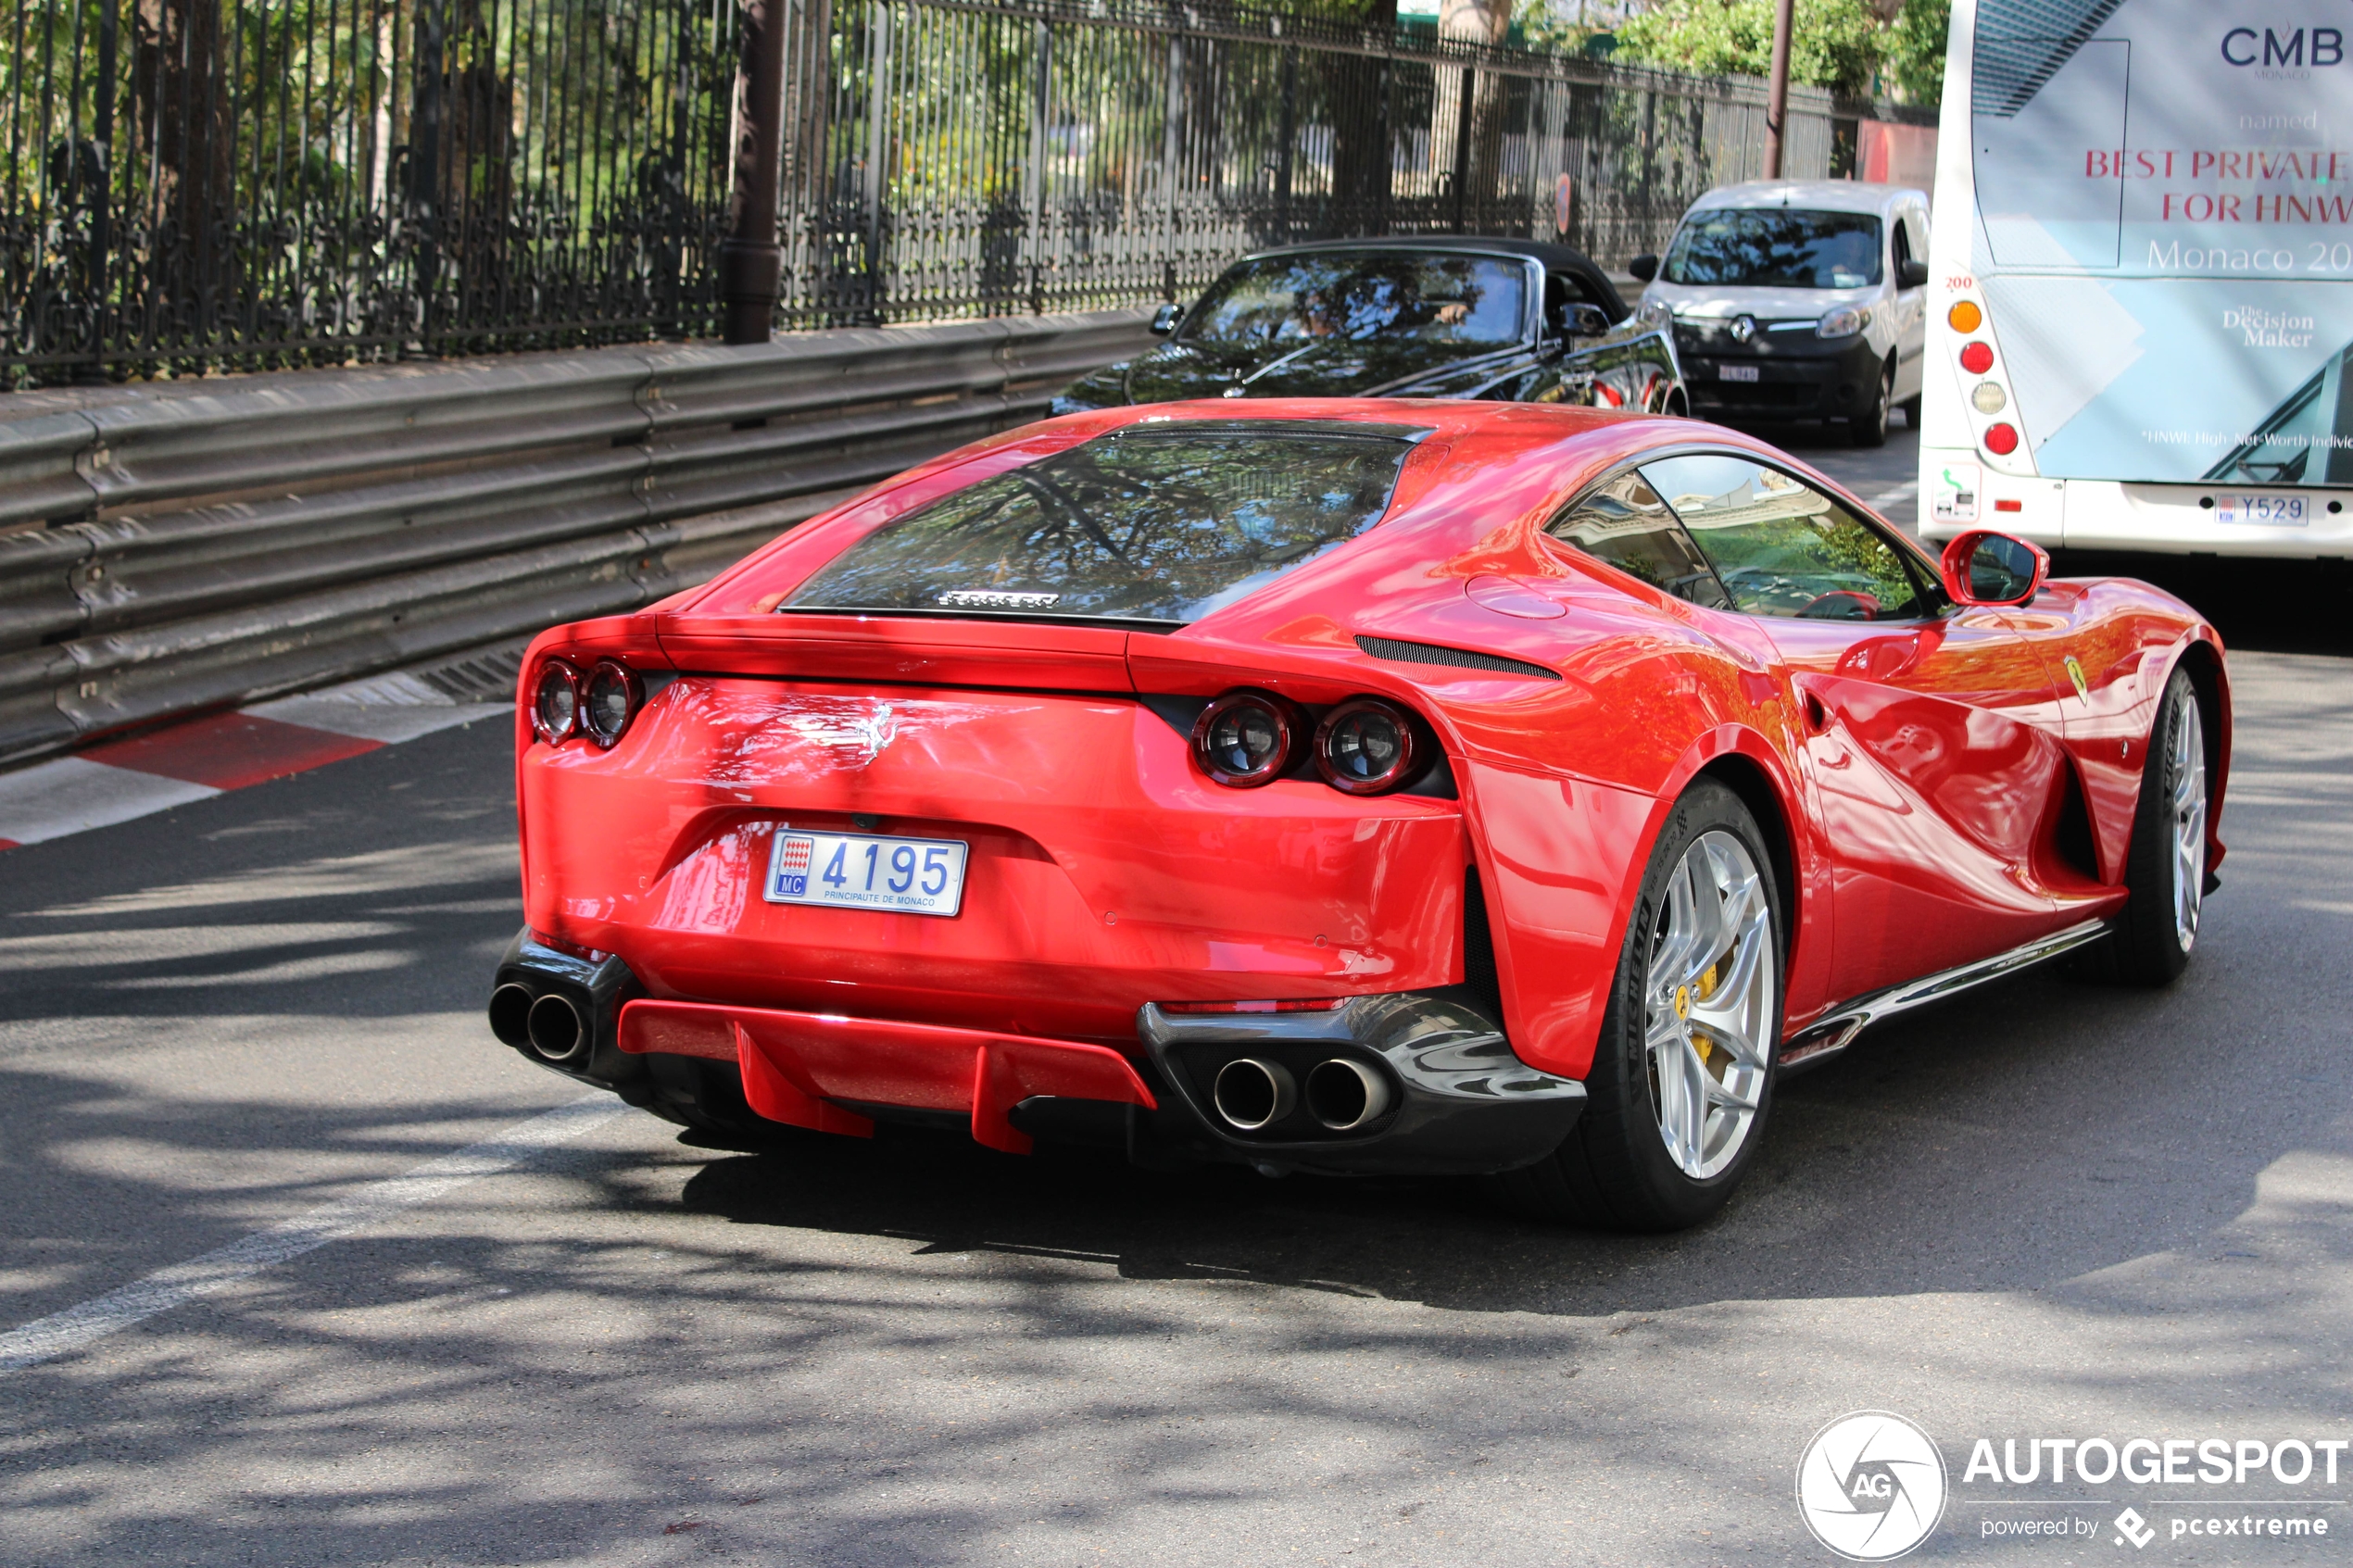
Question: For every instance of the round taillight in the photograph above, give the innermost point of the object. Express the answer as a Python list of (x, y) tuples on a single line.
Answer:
[(2001, 439), (1977, 357), (1366, 745), (610, 702), (555, 702), (1965, 315), (1244, 739)]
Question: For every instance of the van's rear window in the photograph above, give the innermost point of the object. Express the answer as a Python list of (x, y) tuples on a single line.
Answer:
[(1161, 522)]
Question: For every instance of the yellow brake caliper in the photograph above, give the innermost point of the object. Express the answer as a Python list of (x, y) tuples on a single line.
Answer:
[(1707, 989)]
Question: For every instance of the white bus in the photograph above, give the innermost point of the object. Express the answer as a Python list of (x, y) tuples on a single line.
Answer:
[(2141, 277)]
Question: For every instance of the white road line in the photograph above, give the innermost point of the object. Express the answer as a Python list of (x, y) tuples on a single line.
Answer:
[(1903, 492), (165, 1288), (70, 795), (390, 722)]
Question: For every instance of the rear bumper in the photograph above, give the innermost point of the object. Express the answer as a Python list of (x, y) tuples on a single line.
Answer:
[(2170, 519), (826, 1072), (1459, 1102), (1462, 1103)]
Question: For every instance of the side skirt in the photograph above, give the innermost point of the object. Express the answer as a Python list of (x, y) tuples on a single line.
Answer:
[(1835, 1030)]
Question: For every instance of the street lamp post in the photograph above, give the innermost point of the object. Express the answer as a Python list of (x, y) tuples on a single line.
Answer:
[(1777, 90), (750, 262)]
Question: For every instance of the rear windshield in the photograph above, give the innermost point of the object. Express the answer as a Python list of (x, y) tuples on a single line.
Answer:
[(1159, 523), (1776, 248), (1354, 296)]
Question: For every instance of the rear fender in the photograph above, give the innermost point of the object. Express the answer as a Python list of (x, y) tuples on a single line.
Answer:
[(1760, 772), (1565, 860), (1553, 864)]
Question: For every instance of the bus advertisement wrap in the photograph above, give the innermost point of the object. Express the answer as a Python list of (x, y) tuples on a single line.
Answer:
[(2163, 236)]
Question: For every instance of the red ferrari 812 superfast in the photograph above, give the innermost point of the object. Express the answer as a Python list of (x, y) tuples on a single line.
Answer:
[(1343, 785)]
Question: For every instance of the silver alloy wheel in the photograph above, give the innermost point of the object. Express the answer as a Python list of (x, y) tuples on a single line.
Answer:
[(1708, 1003), (2185, 776)]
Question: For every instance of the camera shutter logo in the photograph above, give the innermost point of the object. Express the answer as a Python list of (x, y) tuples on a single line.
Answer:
[(1871, 1486)]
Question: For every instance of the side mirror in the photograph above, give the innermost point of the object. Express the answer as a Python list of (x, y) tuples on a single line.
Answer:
[(1165, 320), (1644, 266), (1584, 320), (1912, 274), (1985, 568)]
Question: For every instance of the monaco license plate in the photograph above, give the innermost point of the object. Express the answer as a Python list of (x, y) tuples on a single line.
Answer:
[(845, 871), (2271, 511), (1735, 372)]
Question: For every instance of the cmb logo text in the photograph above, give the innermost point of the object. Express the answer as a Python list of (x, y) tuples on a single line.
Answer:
[(2321, 46)]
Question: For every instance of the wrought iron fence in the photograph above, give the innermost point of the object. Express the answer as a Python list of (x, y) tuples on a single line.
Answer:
[(196, 184)]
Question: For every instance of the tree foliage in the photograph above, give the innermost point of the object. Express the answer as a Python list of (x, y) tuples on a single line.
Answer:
[(1916, 50), (1836, 43)]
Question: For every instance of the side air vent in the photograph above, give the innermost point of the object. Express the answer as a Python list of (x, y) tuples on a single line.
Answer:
[(1458, 659)]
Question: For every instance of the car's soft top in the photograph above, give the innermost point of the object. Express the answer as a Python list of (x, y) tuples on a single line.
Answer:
[(1558, 258)]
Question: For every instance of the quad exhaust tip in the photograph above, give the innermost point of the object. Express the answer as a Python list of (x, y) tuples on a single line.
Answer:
[(1344, 1094), (510, 1015), (556, 1031), (1251, 1092)]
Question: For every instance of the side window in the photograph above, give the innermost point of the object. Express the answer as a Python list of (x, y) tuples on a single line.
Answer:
[(1899, 236), (1562, 290), (1783, 549), (1626, 525)]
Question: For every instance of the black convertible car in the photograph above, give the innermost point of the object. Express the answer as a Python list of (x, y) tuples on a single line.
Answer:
[(1511, 320)]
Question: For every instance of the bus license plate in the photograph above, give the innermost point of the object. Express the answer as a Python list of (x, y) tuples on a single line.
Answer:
[(842, 871), (1736, 372), (2273, 512)]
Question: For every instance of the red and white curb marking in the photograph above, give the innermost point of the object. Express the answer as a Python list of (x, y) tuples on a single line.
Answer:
[(115, 781)]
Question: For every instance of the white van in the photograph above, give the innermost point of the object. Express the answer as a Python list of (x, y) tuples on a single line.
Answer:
[(1799, 299)]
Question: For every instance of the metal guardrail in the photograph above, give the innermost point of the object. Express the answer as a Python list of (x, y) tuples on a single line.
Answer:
[(172, 547)]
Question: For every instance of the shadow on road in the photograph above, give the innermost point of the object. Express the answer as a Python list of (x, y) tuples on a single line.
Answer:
[(854, 1353), (2042, 1131), (2029, 1134)]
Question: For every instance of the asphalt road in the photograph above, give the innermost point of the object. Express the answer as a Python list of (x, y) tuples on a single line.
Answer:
[(2047, 1208), (1887, 477)]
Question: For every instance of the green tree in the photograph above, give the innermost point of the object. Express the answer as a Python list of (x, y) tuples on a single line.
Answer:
[(1837, 43), (1916, 50)]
